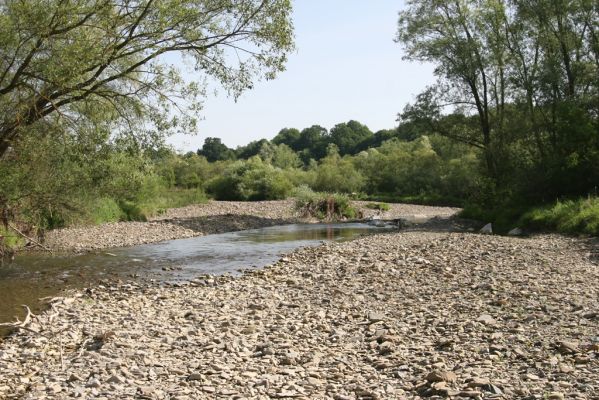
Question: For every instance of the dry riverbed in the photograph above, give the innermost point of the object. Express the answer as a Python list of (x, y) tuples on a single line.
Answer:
[(394, 316), (212, 217)]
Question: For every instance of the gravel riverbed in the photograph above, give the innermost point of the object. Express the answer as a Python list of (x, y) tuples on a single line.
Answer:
[(209, 218), (405, 315)]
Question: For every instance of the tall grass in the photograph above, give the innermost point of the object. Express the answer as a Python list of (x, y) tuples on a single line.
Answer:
[(567, 216)]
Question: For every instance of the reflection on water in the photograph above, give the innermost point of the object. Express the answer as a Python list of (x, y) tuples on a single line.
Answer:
[(32, 276)]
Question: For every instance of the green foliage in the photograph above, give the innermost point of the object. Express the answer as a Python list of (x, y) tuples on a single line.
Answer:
[(336, 174), (9, 240), (250, 180), (289, 137), (349, 136), (568, 216), (103, 62), (378, 206), (521, 82), (324, 206), (214, 150), (106, 209)]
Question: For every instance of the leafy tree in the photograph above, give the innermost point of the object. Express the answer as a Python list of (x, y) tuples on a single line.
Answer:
[(288, 136), (251, 149), (336, 174), (349, 136), (313, 142), (214, 150), (518, 80), (104, 61), (250, 180), (280, 156)]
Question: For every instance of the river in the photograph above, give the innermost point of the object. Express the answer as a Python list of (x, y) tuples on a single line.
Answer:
[(31, 276)]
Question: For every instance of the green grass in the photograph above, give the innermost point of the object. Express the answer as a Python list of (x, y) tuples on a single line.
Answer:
[(10, 240), (567, 216), (574, 216), (378, 206), (142, 208)]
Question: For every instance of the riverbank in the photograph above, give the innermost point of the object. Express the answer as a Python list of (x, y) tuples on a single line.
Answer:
[(392, 316), (211, 217)]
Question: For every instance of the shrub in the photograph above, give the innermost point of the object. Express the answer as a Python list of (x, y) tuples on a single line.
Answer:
[(106, 209), (250, 180), (324, 206)]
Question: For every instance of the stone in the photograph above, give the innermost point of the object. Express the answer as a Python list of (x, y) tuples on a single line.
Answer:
[(515, 232), (486, 319), (555, 396), (195, 377), (441, 376), (567, 347), (93, 383), (487, 229), (478, 382), (376, 317), (115, 379)]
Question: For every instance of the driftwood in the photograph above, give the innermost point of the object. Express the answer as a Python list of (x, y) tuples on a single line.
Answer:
[(14, 228), (18, 324)]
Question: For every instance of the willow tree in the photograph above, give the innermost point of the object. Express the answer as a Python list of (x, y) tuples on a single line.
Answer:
[(463, 40), (518, 79), (82, 62)]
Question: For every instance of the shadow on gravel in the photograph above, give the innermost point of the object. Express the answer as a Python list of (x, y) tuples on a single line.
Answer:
[(439, 224), (592, 248), (226, 223)]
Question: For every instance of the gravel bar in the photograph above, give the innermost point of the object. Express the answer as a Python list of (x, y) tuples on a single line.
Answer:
[(406, 315), (209, 218)]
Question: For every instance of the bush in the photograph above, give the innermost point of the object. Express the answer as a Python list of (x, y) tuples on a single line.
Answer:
[(106, 210), (337, 175), (250, 180), (324, 206)]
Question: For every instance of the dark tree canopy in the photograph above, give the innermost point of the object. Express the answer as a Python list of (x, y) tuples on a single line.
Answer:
[(288, 136), (251, 149), (313, 142), (214, 150), (348, 136)]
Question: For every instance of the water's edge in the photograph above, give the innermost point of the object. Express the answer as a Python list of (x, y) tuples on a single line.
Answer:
[(34, 275)]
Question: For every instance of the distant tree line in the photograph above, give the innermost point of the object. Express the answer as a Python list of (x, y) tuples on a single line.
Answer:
[(312, 143)]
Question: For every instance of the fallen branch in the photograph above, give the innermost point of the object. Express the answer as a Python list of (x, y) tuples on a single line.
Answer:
[(14, 228), (18, 324)]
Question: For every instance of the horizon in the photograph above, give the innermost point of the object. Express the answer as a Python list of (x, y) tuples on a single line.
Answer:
[(345, 68)]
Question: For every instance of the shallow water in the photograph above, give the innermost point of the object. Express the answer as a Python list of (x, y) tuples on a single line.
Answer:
[(32, 276)]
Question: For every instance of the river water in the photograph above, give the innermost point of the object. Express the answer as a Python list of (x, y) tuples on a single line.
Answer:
[(32, 276)]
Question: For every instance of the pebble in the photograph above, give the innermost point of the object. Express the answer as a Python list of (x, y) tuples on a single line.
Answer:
[(363, 319)]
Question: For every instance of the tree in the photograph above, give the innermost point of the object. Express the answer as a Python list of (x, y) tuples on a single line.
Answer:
[(214, 150), (517, 80), (312, 142), (251, 149), (280, 156), (288, 136), (348, 136), (106, 61)]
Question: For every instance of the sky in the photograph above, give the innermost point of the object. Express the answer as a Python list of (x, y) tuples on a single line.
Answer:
[(346, 66)]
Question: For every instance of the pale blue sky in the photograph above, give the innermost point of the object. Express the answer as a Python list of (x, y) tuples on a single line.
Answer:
[(346, 66)]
